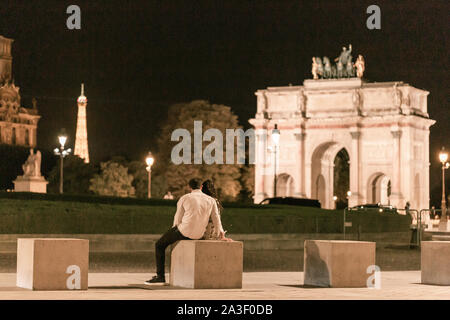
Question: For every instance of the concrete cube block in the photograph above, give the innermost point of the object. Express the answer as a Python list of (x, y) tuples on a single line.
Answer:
[(435, 262), (207, 264), (338, 264), (52, 264)]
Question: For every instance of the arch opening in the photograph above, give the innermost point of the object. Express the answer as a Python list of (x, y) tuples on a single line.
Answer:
[(324, 173), (341, 183), (379, 189), (285, 185)]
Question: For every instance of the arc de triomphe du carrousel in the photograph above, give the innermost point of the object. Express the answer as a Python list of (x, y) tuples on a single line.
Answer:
[(383, 127)]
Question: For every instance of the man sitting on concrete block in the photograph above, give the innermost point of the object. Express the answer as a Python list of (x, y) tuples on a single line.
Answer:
[(191, 218)]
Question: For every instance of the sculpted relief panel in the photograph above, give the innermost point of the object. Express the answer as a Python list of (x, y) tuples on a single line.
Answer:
[(287, 154), (329, 104), (282, 102), (378, 100), (377, 151), (418, 153)]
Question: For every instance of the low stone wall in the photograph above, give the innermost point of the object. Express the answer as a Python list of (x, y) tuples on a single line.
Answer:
[(262, 252)]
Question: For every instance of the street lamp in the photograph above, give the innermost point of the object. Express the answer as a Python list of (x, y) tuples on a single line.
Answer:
[(149, 160), (443, 157), (62, 153), (349, 194), (276, 141), (335, 199)]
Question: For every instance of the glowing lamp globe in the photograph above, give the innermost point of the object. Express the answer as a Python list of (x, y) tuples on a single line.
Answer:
[(62, 140), (443, 156), (276, 135), (149, 160)]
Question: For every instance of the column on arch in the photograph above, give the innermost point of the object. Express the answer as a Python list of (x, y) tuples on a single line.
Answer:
[(33, 137), (425, 191), (396, 194), (300, 168), (355, 168), (260, 164)]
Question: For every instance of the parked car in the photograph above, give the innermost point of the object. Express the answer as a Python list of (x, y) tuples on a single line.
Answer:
[(374, 207), (304, 202)]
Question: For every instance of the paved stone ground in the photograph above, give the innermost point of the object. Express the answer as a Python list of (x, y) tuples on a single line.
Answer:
[(256, 285)]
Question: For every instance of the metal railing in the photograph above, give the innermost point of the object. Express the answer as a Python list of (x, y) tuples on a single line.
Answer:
[(415, 214), (348, 224)]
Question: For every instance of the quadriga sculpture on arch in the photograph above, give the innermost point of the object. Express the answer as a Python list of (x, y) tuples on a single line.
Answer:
[(343, 67)]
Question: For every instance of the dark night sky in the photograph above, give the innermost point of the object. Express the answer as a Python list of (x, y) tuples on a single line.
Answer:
[(138, 57)]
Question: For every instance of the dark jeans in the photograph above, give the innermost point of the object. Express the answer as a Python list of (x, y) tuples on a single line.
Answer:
[(171, 236)]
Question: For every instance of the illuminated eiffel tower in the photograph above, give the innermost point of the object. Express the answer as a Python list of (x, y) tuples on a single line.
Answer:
[(81, 138)]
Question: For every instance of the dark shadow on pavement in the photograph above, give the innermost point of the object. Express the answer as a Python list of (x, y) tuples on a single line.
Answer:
[(136, 286), (302, 286), (162, 287)]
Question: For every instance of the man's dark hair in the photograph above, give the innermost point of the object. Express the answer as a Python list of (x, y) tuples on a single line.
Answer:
[(195, 183)]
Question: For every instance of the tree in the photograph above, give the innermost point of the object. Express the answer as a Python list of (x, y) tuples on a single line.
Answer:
[(140, 177), (113, 180), (248, 183), (225, 176), (158, 181), (77, 175)]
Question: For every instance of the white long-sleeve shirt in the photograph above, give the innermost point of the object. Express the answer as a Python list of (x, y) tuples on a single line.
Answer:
[(193, 212)]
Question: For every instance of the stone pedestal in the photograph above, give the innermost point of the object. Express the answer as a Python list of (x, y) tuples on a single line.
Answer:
[(52, 264), (207, 264), (444, 226), (30, 184), (339, 264), (343, 83), (440, 238), (435, 262)]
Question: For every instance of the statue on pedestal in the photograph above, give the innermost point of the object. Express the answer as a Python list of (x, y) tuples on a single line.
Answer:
[(315, 68), (32, 166), (360, 67), (397, 96), (31, 180), (301, 103)]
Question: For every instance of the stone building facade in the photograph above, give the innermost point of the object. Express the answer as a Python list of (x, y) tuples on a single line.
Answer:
[(384, 127), (18, 125)]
